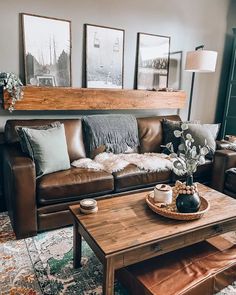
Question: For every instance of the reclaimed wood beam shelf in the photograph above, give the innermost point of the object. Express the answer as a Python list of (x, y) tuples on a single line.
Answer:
[(67, 98)]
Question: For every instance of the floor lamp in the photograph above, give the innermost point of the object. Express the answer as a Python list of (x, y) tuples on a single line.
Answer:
[(199, 61)]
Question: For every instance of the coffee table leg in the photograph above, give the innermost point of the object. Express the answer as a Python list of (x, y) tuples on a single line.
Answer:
[(77, 246), (108, 278)]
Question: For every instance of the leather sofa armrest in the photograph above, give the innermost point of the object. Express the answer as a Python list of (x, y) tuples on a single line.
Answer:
[(223, 160), (20, 190), (221, 144)]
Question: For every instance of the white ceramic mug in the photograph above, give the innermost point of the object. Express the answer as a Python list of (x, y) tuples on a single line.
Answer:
[(163, 193)]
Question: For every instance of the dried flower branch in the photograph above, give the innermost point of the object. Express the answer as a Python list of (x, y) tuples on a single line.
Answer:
[(188, 157), (13, 85)]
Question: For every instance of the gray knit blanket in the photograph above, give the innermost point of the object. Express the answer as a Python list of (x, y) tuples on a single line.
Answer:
[(117, 133)]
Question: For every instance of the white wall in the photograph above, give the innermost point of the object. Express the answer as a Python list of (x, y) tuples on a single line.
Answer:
[(188, 22)]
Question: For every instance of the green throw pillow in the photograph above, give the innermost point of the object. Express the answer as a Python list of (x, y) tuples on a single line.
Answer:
[(49, 149), (26, 148)]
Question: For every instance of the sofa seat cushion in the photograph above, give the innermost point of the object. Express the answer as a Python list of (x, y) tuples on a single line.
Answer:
[(131, 177), (230, 181), (72, 184)]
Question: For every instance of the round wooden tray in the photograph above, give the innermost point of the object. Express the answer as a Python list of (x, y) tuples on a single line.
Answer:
[(170, 211)]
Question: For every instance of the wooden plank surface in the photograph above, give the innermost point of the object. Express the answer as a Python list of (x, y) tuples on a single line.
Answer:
[(125, 222), (176, 242), (67, 98)]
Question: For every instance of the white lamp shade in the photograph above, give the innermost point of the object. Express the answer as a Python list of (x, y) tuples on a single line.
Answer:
[(201, 61)]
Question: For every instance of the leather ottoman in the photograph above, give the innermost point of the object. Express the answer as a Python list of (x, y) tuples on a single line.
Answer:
[(200, 269), (230, 182)]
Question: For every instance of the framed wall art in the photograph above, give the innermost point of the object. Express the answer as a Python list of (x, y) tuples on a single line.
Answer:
[(153, 61), (104, 57), (175, 70), (46, 80), (47, 50)]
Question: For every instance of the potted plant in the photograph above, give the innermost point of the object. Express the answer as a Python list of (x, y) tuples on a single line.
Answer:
[(185, 162), (13, 85)]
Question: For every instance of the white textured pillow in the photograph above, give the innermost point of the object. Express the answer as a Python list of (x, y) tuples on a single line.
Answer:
[(213, 128), (231, 146)]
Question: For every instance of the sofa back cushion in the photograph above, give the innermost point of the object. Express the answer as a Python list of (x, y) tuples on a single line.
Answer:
[(151, 133), (73, 132)]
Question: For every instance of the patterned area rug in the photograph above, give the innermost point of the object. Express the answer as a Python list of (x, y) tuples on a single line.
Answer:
[(43, 265)]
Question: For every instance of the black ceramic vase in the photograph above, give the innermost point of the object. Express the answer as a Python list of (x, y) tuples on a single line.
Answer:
[(188, 203)]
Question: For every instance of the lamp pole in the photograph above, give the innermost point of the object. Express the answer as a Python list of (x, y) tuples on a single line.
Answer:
[(192, 84)]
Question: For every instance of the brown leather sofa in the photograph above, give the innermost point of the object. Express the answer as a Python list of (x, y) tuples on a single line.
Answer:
[(223, 176), (42, 204)]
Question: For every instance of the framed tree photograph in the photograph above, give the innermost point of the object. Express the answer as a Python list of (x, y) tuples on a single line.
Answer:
[(153, 61), (104, 57), (47, 50)]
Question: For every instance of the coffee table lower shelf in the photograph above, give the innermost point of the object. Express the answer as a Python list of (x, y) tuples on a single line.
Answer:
[(197, 269)]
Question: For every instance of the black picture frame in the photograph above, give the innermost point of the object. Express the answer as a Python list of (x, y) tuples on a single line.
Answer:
[(104, 57), (47, 45), (175, 70), (153, 55)]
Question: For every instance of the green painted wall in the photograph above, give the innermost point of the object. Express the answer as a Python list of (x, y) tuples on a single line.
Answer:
[(227, 55)]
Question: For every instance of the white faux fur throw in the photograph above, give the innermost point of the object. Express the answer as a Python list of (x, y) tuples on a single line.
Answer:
[(109, 162), (231, 146)]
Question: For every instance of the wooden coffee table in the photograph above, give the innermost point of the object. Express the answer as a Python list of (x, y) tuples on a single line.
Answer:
[(125, 231)]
